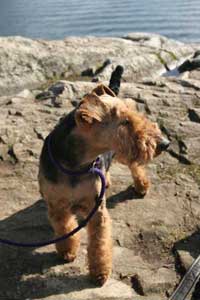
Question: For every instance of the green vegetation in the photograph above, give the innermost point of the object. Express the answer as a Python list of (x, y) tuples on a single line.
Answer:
[(162, 60)]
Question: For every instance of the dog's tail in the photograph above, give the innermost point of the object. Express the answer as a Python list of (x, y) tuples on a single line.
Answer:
[(114, 85), (115, 79)]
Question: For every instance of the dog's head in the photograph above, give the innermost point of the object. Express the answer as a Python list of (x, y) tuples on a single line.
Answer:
[(112, 124)]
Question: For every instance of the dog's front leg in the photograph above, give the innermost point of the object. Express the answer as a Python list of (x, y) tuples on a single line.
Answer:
[(100, 246), (141, 181), (63, 222)]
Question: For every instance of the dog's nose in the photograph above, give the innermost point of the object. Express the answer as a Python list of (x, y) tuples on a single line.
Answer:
[(163, 144)]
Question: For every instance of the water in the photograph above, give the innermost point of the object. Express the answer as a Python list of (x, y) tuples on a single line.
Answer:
[(56, 19)]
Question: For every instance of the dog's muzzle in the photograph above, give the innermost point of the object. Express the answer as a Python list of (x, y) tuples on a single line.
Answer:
[(163, 144)]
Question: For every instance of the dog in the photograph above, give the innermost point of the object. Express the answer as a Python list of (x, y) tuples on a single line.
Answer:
[(102, 125)]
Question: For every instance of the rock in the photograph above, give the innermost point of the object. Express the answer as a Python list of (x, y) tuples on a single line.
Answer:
[(190, 65), (88, 72), (186, 66), (185, 259), (26, 94), (16, 100), (4, 152), (113, 289), (196, 54), (194, 115), (51, 96), (44, 95), (144, 281), (26, 63), (127, 263), (157, 281), (100, 69), (153, 297), (166, 53), (145, 230), (187, 250), (57, 88), (92, 72)]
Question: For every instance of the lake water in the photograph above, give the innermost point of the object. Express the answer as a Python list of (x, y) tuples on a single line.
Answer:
[(56, 19)]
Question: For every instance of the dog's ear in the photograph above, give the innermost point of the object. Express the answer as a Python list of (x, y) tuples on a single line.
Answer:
[(90, 110), (102, 90)]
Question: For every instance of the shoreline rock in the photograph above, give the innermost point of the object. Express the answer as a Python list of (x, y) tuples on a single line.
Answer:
[(27, 63)]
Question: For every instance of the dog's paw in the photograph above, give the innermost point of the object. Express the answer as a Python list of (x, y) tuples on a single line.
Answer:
[(67, 256), (142, 187), (100, 279), (67, 249)]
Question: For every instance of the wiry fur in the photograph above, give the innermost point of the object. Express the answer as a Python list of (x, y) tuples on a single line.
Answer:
[(101, 123)]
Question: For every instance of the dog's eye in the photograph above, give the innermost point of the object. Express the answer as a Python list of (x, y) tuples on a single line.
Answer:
[(125, 122)]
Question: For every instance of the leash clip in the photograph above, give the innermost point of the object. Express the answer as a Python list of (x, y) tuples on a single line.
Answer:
[(96, 164)]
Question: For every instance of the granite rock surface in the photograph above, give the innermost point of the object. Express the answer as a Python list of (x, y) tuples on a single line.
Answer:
[(156, 237)]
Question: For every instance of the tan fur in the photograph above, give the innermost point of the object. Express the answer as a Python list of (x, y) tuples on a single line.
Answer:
[(105, 123)]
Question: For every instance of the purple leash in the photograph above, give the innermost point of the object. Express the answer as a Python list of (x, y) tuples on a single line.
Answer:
[(93, 169)]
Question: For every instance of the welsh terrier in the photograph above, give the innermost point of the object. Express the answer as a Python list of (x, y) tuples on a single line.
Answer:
[(102, 125)]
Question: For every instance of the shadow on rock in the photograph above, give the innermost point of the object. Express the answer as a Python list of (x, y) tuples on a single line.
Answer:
[(55, 285), (29, 273), (18, 264), (24, 272), (126, 195)]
